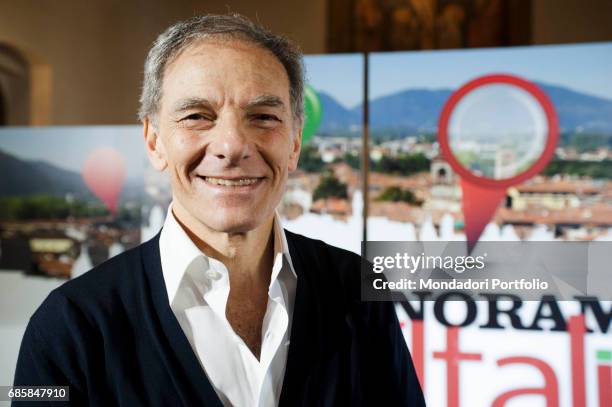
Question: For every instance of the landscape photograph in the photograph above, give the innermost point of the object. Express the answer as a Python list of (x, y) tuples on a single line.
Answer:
[(70, 197), (413, 191)]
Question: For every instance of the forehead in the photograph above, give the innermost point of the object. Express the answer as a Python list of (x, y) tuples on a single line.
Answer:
[(224, 69)]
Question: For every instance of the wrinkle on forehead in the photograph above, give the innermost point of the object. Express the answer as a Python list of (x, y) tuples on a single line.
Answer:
[(261, 71), (219, 42)]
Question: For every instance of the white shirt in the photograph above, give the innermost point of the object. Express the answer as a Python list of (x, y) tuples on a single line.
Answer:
[(198, 288)]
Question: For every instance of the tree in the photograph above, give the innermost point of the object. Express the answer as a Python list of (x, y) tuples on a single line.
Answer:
[(310, 159), (352, 159), (330, 187), (47, 207), (403, 164), (397, 194), (593, 169)]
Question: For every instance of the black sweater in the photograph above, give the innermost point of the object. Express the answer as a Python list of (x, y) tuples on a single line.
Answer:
[(113, 338)]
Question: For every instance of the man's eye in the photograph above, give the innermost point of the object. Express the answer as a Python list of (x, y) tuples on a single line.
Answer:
[(266, 117), (196, 116)]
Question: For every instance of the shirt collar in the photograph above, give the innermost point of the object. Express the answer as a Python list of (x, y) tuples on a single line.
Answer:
[(178, 253)]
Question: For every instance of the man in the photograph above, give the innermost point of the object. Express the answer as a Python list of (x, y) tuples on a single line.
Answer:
[(223, 307)]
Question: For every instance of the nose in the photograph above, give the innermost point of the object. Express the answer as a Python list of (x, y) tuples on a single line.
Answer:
[(229, 143)]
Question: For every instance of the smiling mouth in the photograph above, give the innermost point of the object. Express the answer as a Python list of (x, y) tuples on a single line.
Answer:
[(235, 182)]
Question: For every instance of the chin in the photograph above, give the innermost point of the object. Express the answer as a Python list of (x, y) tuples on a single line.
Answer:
[(231, 221)]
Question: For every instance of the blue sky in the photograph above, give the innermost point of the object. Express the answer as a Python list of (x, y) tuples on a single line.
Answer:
[(585, 68), (339, 75), (68, 147)]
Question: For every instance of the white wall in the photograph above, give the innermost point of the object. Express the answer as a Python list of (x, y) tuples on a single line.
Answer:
[(20, 295)]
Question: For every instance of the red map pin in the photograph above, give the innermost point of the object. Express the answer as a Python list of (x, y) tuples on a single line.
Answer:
[(104, 174), (495, 131)]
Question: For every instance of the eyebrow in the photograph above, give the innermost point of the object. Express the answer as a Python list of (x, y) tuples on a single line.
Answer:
[(197, 102), (265, 100), (191, 103)]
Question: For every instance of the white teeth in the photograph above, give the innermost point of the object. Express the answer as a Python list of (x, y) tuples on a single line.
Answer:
[(231, 183)]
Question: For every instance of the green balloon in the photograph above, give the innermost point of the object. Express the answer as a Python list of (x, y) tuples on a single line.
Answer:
[(312, 113)]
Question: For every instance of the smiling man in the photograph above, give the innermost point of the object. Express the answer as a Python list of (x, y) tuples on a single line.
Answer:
[(223, 307)]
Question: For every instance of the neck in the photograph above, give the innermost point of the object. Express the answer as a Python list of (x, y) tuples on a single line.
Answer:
[(247, 254)]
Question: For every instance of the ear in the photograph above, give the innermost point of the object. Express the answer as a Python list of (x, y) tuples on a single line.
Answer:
[(154, 145), (296, 146)]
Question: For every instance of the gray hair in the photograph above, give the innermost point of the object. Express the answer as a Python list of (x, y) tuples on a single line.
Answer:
[(233, 26)]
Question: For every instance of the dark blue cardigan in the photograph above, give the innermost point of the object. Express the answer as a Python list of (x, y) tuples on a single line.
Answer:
[(112, 337)]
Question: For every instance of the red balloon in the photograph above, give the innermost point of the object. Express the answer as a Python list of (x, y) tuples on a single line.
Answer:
[(104, 174)]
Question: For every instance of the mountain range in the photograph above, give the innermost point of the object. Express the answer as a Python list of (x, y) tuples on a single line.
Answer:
[(23, 177), (418, 110)]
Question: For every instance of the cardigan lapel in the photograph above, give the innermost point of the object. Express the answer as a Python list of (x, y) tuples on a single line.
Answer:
[(188, 376), (304, 332), (319, 331)]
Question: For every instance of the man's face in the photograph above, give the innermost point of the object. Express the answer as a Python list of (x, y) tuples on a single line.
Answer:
[(225, 132)]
